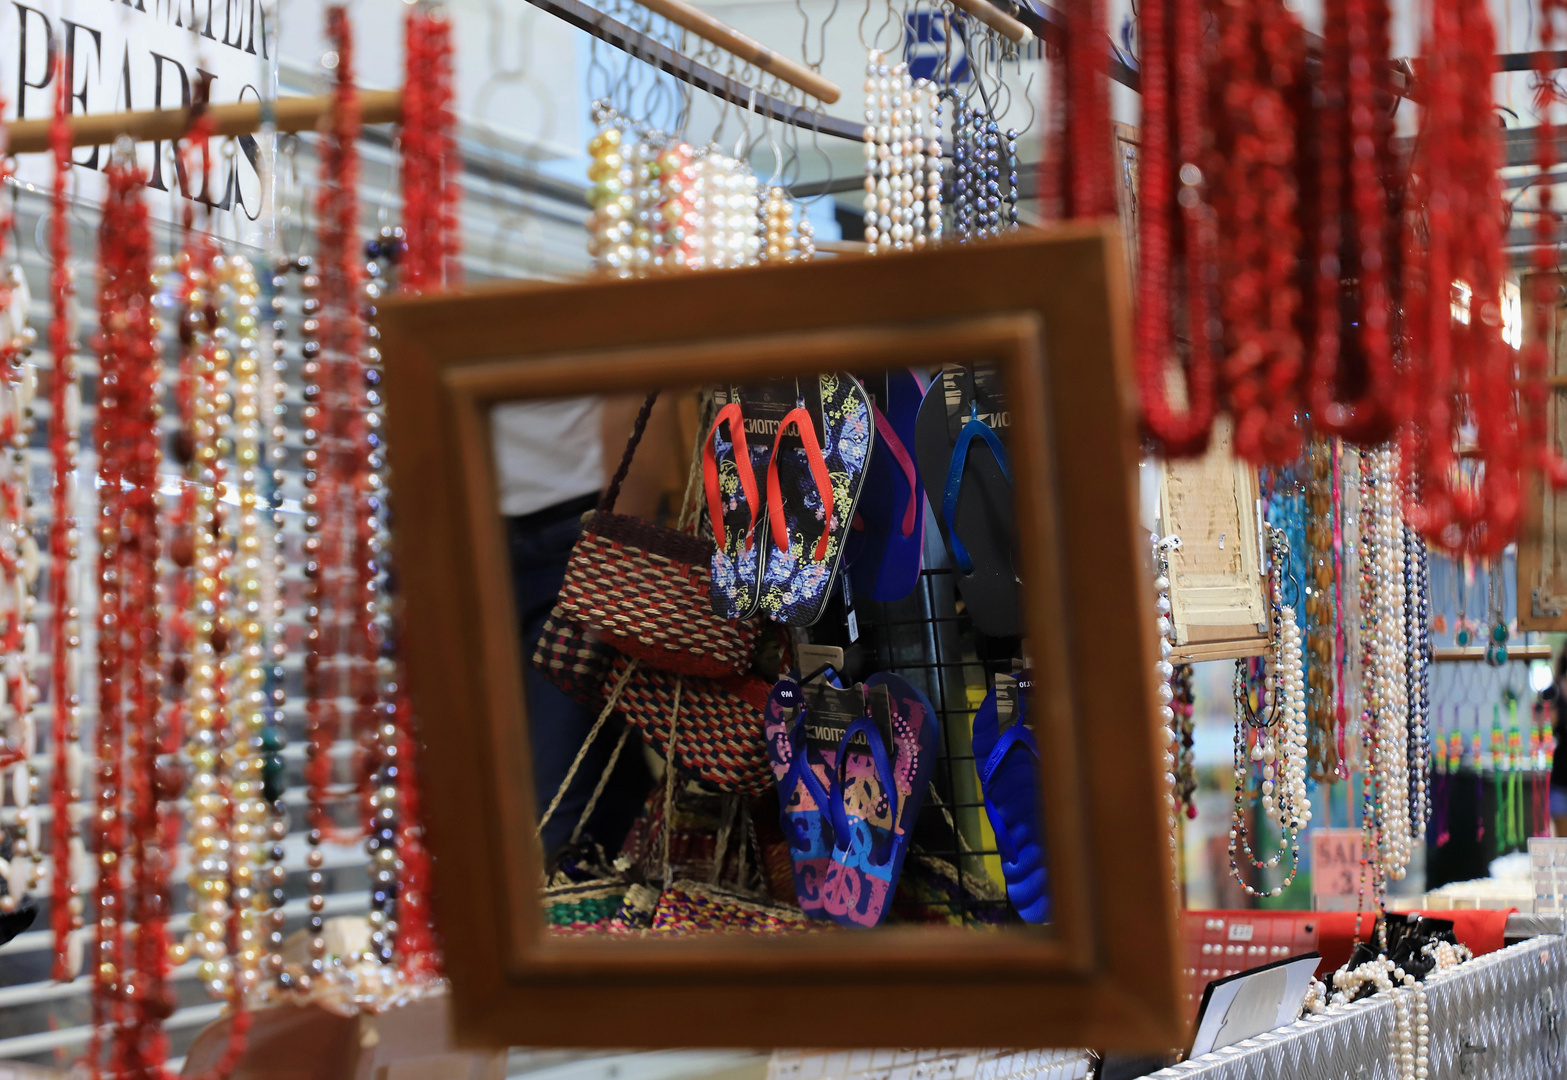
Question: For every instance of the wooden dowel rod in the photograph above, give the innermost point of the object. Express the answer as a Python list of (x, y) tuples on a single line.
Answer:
[(996, 19), (243, 118), (1450, 654), (748, 49)]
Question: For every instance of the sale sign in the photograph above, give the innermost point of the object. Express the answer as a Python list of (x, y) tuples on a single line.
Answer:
[(1337, 874)]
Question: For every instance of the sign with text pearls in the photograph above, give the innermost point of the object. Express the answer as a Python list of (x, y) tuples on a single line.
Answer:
[(129, 55)]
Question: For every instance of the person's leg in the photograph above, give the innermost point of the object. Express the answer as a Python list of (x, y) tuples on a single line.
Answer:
[(540, 546)]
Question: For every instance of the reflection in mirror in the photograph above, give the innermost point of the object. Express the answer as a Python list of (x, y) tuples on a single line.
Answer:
[(805, 594)]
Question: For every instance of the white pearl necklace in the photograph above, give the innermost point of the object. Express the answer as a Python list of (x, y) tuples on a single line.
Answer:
[(724, 224), (1280, 744), (896, 190), (1385, 712), (1164, 672)]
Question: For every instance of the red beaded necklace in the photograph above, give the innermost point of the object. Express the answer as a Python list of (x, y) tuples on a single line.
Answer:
[(1077, 180), (1172, 97), (431, 167), (131, 779), (1356, 87), (64, 636), (1255, 71), (1453, 242)]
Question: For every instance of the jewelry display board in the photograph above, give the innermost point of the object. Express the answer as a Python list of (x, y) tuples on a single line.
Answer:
[(1542, 533), (1218, 599), (1105, 970)]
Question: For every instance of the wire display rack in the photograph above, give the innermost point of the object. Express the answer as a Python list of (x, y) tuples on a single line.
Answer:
[(928, 640)]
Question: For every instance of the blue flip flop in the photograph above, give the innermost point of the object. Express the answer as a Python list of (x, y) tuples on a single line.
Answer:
[(884, 551), (878, 801), (1008, 766), (976, 517), (806, 806)]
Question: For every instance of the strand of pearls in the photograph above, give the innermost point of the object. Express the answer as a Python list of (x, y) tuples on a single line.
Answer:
[(933, 151), (247, 668), (1165, 672), (20, 566), (1389, 691), (612, 204), (786, 239), (199, 552), (275, 600), (725, 214), (895, 159), (1417, 650), (1279, 746)]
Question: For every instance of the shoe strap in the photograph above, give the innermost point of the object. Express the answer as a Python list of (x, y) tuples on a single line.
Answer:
[(901, 456), (974, 428), (813, 456), (729, 414)]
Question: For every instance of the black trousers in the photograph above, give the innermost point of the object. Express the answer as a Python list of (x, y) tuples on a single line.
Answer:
[(540, 546)]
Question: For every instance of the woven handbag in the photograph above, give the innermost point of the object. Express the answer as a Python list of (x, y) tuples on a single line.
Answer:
[(644, 588), (718, 727), (574, 658)]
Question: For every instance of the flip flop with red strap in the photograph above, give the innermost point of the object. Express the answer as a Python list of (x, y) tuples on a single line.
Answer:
[(730, 466), (814, 481)]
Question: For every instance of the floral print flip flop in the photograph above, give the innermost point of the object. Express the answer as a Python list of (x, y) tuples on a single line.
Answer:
[(814, 480)]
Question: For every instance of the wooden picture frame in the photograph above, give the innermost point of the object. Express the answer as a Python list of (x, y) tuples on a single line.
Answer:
[(1542, 528), (1052, 311), (1218, 595)]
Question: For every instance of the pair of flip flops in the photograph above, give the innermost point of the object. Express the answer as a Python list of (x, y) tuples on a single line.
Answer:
[(781, 492), (1006, 755), (962, 456), (848, 813)]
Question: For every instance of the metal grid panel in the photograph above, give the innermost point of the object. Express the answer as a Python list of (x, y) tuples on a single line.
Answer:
[(1496, 1018), (932, 1065)]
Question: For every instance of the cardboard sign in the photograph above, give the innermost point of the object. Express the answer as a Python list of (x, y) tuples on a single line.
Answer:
[(146, 54), (1335, 867)]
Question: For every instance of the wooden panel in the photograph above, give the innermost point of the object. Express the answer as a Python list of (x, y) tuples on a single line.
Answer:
[(1217, 590), (1542, 532)]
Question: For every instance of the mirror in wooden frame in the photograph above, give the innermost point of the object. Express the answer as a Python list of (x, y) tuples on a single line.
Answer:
[(1047, 316)]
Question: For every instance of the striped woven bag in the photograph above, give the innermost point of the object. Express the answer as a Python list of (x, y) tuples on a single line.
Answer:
[(717, 723), (644, 588)]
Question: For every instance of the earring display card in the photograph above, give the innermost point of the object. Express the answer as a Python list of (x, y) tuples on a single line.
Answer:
[(1217, 597)]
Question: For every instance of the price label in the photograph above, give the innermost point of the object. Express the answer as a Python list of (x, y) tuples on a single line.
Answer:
[(1241, 931), (1335, 864)]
